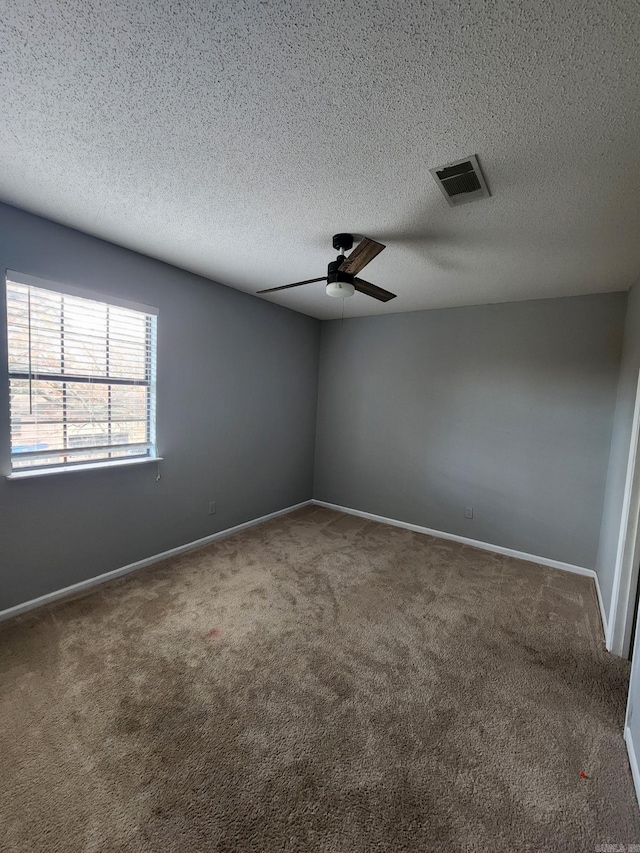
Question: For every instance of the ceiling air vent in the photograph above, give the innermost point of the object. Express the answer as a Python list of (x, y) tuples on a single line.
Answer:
[(461, 182)]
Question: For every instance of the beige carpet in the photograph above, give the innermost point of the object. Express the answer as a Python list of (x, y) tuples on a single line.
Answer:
[(319, 683)]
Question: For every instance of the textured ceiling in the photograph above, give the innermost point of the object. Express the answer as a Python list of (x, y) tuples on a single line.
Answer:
[(233, 139)]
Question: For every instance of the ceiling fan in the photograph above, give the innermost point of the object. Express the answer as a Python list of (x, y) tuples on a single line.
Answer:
[(342, 273)]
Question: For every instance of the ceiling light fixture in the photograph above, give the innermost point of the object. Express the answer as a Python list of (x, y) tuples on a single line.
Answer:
[(339, 281), (340, 288)]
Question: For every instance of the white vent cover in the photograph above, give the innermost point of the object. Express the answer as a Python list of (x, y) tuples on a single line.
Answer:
[(462, 181)]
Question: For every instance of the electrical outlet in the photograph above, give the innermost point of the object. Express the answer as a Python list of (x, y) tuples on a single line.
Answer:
[(212, 507), (468, 513)]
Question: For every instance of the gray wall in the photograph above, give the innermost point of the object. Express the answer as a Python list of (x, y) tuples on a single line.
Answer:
[(236, 410), (620, 440), (507, 408)]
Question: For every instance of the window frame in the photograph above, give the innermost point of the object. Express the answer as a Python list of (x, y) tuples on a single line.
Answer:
[(149, 382)]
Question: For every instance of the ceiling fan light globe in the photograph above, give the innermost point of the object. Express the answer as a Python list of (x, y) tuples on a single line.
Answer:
[(340, 289)]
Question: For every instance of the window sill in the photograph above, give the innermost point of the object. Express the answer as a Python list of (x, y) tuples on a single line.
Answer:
[(28, 474)]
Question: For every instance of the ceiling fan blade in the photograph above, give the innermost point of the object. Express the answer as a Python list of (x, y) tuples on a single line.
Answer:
[(365, 251), (372, 290), (295, 284)]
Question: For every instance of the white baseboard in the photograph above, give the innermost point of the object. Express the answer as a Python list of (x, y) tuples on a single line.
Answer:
[(633, 761), (603, 612), (201, 543), (10, 612), (475, 543)]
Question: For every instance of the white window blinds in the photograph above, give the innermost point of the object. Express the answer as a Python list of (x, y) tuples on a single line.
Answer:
[(81, 376)]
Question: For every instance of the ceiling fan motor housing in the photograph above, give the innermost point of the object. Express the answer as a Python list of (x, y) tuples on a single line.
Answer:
[(339, 283)]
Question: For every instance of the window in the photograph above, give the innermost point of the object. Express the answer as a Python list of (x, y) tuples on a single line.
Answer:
[(81, 376)]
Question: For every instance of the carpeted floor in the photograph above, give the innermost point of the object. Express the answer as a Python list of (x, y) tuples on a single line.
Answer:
[(318, 683)]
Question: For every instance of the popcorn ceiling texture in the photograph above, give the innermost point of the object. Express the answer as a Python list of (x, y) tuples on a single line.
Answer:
[(318, 684), (233, 139)]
